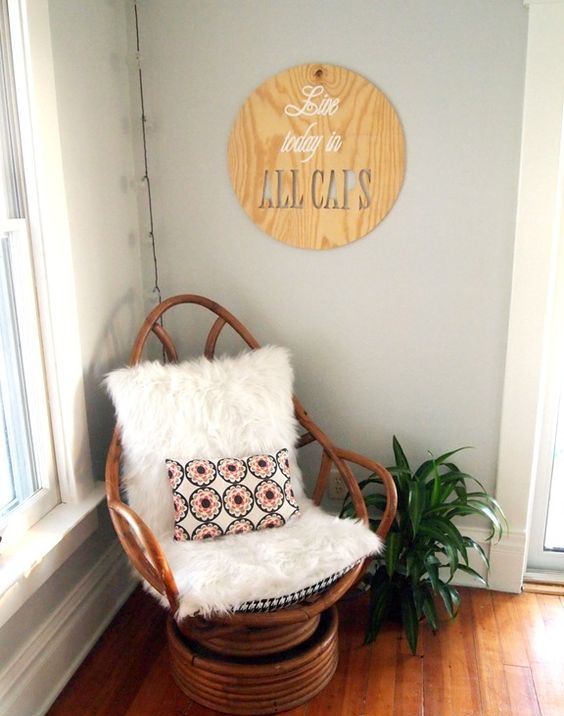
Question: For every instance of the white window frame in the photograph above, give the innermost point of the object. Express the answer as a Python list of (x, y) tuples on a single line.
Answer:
[(47, 495), (51, 243), (26, 316), (26, 563)]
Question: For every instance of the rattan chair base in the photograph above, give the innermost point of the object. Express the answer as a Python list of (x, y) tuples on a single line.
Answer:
[(256, 684), (249, 641)]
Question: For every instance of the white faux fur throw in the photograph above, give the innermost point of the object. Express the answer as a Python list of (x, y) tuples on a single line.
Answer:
[(232, 406)]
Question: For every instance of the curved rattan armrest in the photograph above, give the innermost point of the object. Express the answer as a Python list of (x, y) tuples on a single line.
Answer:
[(136, 537), (387, 481)]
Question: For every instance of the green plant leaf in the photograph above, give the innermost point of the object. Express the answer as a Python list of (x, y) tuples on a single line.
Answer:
[(437, 484), (399, 455), (469, 570), (451, 555), (472, 544), (372, 480), (398, 471), (446, 596), (445, 456), (416, 504), (376, 500), (493, 503), (454, 597), (380, 600), (453, 534), (418, 594), (409, 618), (461, 491), (433, 572), (447, 507), (461, 477), (446, 534), (473, 507), (426, 468), (378, 577), (413, 566), (393, 549), (430, 529), (487, 511), (429, 609)]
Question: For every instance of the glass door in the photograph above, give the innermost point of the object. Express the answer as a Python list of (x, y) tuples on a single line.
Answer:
[(546, 550), (546, 539)]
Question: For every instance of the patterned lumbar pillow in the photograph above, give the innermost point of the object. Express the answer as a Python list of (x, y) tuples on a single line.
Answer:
[(231, 495)]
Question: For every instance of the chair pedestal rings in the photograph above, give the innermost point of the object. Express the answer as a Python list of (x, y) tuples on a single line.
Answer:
[(274, 670)]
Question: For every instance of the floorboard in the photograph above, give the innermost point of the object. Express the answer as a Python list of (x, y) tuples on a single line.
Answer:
[(513, 644), (494, 693), (522, 692), (451, 684), (502, 655)]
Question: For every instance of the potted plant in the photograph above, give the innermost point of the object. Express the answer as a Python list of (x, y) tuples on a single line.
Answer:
[(424, 548)]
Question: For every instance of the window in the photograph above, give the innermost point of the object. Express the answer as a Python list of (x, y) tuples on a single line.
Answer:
[(27, 476), (48, 494)]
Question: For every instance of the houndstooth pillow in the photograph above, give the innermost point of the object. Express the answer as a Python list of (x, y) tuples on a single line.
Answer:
[(231, 495)]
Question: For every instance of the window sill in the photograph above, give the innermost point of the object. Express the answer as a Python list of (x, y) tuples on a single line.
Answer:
[(27, 564)]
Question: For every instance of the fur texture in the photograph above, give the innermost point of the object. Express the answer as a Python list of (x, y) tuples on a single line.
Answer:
[(233, 406)]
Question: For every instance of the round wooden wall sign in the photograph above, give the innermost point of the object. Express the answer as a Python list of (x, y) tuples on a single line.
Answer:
[(317, 156)]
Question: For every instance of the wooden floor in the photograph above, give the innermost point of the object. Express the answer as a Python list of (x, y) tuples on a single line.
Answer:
[(503, 655)]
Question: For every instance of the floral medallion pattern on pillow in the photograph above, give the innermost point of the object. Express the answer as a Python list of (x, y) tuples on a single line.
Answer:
[(262, 465), (269, 495), (283, 461), (239, 526), (180, 507), (207, 531), (180, 534), (231, 469), (232, 496), (238, 500), (270, 521), (175, 473), (289, 493), (205, 504), (200, 472)]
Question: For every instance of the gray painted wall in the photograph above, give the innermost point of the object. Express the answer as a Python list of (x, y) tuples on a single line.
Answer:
[(403, 331)]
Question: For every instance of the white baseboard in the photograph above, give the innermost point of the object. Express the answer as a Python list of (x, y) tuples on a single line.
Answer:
[(508, 560), (37, 673)]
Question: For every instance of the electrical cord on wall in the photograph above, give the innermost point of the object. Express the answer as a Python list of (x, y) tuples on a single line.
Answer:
[(146, 178)]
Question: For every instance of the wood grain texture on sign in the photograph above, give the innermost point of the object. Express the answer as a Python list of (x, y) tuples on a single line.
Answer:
[(317, 156)]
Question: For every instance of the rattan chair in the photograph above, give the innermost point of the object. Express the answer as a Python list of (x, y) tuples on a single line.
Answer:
[(245, 663)]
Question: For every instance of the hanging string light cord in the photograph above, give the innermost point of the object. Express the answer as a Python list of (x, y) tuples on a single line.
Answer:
[(146, 178)]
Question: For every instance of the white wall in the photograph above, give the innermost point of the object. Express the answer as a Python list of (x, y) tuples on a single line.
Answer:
[(92, 78), (405, 330)]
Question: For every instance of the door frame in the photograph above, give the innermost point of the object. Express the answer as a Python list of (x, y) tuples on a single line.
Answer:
[(532, 296)]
